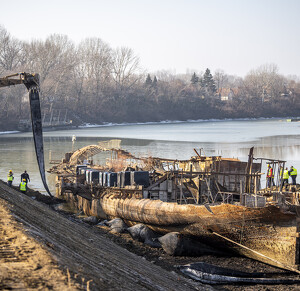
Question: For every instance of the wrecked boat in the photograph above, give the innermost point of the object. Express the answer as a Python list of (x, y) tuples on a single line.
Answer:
[(215, 200)]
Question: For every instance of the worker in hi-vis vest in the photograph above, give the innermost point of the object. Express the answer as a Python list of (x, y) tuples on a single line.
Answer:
[(23, 186), (293, 174), (281, 173), (270, 176), (10, 178), (285, 176)]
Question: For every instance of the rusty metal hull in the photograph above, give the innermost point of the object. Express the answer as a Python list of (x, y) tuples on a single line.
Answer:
[(266, 234)]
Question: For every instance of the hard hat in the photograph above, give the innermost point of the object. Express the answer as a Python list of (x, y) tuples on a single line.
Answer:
[(10, 171), (24, 180)]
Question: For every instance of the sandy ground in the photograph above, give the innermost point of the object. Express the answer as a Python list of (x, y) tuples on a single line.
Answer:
[(24, 263), (58, 252)]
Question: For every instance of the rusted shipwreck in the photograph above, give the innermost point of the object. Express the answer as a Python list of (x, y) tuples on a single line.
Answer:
[(216, 200)]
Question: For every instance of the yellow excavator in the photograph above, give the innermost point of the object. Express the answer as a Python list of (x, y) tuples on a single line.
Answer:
[(32, 83), (29, 80)]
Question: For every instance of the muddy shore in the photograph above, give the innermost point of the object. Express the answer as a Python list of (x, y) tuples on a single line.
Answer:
[(114, 261), (24, 263), (86, 253)]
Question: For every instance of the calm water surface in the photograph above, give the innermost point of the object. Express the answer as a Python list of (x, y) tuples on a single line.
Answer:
[(275, 139)]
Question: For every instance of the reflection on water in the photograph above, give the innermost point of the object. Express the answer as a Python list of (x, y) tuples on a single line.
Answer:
[(177, 141)]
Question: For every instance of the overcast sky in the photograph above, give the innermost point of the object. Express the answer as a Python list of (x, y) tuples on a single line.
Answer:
[(179, 35)]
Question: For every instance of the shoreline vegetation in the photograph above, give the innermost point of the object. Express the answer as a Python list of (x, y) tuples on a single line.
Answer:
[(99, 84)]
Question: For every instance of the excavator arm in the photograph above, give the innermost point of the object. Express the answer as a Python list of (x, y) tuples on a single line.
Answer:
[(32, 83), (29, 80)]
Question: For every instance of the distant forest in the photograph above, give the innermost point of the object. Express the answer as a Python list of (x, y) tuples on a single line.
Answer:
[(98, 84)]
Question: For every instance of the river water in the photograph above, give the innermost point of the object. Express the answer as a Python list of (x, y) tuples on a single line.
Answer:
[(271, 138)]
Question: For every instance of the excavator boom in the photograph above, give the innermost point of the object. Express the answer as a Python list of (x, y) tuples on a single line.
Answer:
[(29, 80), (32, 83)]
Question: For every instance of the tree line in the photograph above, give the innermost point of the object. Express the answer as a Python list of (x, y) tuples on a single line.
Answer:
[(100, 84)]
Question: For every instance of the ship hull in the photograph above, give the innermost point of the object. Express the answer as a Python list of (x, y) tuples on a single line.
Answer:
[(266, 234)]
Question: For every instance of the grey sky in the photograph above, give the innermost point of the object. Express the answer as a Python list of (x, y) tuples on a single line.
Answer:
[(233, 35)]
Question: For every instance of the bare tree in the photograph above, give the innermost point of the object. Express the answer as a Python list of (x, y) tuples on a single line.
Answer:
[(264, 82), (125, 67), (96, 59), (221, 79), (92, 72), (53, 59), (10, 52)]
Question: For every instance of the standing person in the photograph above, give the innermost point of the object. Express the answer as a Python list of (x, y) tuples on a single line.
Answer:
[(25, 176), (10, 178), (281, 174), (286, 176), (269, 176), (293, 174), (23, 186)]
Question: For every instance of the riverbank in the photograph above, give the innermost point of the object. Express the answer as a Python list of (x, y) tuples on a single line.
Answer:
[(91, 253), (86, 252), (25, 264)]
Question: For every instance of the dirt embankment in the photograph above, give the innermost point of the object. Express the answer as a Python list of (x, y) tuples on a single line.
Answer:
[(90, 257), (96, 259), (24, 263)]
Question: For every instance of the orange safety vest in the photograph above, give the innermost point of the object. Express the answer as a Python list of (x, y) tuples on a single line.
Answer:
[(270, 173)]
